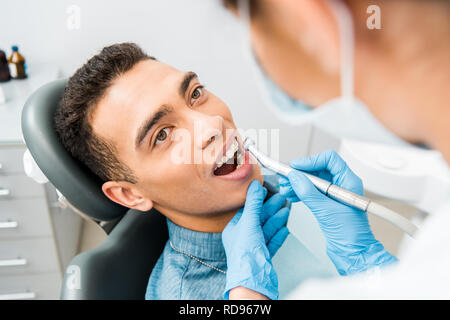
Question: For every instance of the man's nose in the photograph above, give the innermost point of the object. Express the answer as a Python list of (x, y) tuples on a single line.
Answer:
[(207, 129)]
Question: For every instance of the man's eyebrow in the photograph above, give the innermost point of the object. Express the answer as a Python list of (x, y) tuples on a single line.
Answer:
[(163, 110), (150, 122), (184, 85)]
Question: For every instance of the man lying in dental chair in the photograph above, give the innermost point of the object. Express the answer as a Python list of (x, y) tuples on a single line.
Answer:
[(158, 139)]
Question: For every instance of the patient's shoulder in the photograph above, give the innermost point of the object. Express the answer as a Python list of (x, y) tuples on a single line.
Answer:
[(176, 276), (200, 282), (166, 277)]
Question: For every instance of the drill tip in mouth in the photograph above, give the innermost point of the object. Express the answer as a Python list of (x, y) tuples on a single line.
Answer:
[(248, 142)]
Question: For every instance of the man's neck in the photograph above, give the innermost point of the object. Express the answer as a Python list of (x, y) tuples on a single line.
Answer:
[(437, 117), (214, 223), (427, 43)]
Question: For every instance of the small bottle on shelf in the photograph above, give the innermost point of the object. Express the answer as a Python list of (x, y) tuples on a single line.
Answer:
[(4, 69), (17, 65)]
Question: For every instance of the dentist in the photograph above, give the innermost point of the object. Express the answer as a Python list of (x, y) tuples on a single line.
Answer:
[(403, 73)]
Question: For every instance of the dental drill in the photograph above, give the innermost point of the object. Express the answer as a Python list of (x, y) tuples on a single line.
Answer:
[(333, 191)]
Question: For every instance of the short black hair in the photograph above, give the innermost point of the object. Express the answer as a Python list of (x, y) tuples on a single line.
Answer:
[(233, 5), (81, 94)]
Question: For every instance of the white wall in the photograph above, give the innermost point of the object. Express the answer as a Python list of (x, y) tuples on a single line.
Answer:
[(197, 35)]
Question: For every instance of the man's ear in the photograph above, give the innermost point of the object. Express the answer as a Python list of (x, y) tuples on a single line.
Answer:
[(126, 195), (319, 34)]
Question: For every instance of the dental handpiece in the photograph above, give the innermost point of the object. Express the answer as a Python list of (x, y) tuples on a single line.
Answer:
[(333, 191)]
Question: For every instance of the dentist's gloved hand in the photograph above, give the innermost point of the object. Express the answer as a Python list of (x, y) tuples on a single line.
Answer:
[(351, 244), (250, 240)]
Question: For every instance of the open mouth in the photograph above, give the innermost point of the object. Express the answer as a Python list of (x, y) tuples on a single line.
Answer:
[(231, 161)]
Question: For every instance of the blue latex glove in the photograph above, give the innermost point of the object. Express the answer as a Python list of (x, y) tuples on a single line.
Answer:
[(250, 240), (351, 244)]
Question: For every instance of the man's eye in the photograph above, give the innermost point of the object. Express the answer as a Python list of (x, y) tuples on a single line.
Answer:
[(162, 135), (196, 94)]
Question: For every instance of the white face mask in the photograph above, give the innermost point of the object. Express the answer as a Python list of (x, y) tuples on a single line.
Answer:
[(343, 117)]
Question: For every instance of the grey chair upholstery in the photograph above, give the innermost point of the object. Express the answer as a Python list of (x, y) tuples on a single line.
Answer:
[(119, 268)]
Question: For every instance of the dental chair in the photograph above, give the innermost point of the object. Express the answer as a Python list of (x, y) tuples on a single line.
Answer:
[(118, 268)]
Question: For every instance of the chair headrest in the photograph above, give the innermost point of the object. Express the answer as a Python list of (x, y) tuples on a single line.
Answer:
[(76, 182)]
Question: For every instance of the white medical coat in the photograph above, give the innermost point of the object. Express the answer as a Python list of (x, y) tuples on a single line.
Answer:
[(423, 271)]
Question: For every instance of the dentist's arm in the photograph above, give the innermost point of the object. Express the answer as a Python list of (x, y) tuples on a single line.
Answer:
[(250, 240), (351, 244)]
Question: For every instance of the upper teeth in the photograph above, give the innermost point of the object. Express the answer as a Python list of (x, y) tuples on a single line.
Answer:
[(228, 157)]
